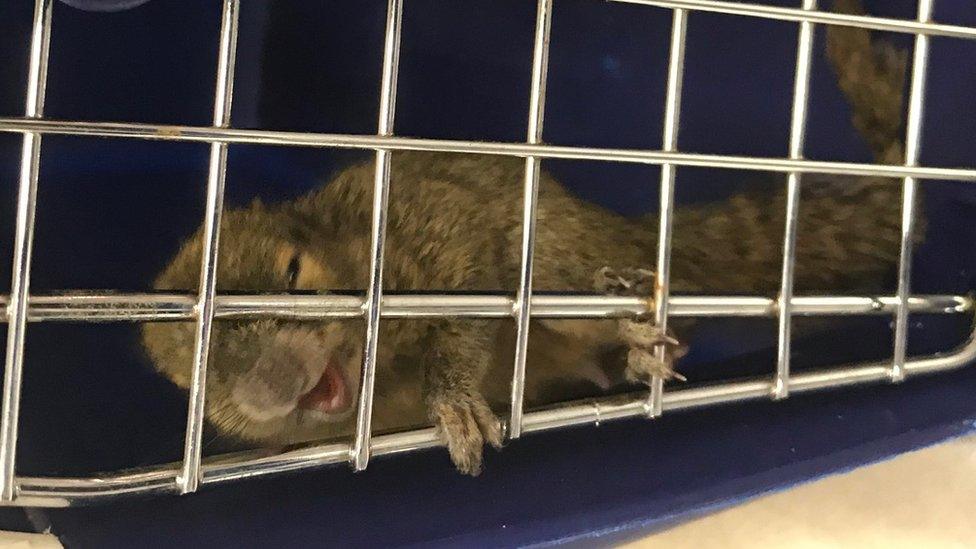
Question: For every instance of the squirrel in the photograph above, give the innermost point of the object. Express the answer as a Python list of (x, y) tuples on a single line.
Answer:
[(454, 223)]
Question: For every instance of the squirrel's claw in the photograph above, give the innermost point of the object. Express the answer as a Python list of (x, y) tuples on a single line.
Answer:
[(638, 282)]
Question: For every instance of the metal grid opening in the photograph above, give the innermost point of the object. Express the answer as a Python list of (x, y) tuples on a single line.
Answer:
[(21, 307)]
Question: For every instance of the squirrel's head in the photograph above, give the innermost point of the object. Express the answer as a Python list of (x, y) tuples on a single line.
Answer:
[(268, 380)]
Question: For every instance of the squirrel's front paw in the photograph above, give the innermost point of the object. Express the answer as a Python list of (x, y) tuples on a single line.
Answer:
[(642, 364), (641, 335), (465, 423)]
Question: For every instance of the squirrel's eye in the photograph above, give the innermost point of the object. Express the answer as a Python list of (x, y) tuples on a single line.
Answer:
[(294, 268)]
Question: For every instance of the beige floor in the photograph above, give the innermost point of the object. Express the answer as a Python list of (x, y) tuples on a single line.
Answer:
[(17, 540), (922, 499)]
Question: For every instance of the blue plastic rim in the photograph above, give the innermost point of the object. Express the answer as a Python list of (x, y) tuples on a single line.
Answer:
[(104, 5)]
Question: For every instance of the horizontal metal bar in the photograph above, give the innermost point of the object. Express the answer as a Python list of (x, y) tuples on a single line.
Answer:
[(824, 17), (114, 307), (247, 464), (58, 492), (64, 492), (208, 134)]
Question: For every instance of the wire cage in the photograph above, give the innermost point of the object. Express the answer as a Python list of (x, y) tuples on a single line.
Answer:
[(21, 307)]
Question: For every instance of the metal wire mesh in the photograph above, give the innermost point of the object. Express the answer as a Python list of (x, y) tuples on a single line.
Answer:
[(20, 307)]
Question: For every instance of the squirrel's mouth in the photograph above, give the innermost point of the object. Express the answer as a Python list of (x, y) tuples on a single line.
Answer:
[(331, 394)]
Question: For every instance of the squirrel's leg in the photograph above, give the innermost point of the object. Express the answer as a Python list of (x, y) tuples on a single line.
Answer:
[(458, 354), (641, 334)]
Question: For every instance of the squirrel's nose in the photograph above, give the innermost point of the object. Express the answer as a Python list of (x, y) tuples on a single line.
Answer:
[(272, 388)]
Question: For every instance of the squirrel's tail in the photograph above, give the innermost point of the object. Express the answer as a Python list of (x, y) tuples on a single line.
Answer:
[(872, 76), (849, 229)]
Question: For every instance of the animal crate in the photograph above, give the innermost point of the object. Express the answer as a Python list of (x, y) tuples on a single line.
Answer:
[(199, 101)]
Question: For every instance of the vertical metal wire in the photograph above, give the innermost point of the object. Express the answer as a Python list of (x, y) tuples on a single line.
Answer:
[(672, 114), (913, 145), (189, 478), (381, 191), (23, 241), (801, 92), (537, 104)]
